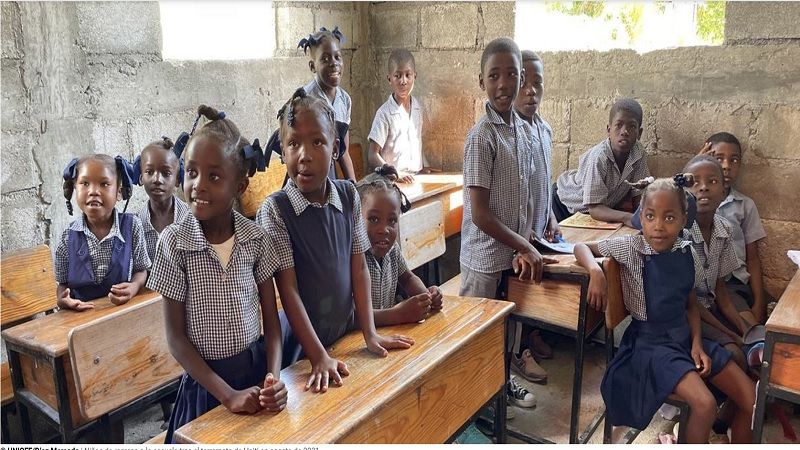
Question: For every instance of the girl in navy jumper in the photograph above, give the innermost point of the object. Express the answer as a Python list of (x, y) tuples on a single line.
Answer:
[(662, 351), (320, 238)]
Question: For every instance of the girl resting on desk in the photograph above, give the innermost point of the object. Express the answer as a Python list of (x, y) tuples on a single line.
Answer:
[(662, 351)]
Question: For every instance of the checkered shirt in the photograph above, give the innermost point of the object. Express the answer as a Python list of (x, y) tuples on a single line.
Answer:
[(342, 104), (541, 186), (270, 219), (384, 275), (718, 260), (222, 304), (497, 157), (630, 251), (597, 180), (100, 250), (746, 227), (150, 233)]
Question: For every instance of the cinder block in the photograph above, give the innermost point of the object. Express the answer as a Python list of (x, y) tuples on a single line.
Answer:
[(18, 169), (21, 229), (449, 25), (773, 190), (292, 24), (11, 30), (16, 103), (448, 73), (761, 20), (119, 27), (559, 160), (777, 133), (781, 237), (392, 28), (589, 119), (498, 20), (111, 137), (557, 114), (344, 19), (683, 127)]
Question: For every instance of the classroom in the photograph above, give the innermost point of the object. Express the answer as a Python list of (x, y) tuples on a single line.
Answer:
[(554, 291)]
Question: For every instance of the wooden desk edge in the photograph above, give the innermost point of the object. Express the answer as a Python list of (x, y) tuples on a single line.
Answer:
[(778, 320)]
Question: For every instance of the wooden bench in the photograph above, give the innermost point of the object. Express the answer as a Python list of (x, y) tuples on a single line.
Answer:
[(452, 286)]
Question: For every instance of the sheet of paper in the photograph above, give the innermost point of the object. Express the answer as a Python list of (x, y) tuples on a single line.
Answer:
[(559, 247)]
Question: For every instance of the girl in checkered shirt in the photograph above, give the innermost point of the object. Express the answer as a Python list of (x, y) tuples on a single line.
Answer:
[(663, 351), (382, 203), (214, 269)]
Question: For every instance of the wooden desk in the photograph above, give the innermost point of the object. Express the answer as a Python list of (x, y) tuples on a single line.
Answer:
[(780, 370), (444, 187), (421, 395), (559, 304), (41, 371)]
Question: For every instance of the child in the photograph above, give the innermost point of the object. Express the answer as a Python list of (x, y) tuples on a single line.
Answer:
[(381, 204), (103, 251), (662, 350), (598, 185), (214, 270), (746, 285), (160, 171), (317, 227), (396, 135), (498, 203), (711, 238), (326, 63)]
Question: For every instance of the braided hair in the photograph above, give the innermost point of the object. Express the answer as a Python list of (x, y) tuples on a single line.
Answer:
[(676, 184), (301, 101), (73, 168), (233, 144), (383, 179), (315, 39)]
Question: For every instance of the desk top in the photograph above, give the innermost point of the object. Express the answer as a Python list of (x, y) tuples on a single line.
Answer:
[(429, 185), (785, 318), (327, 417), (50, 334), (566, 262)]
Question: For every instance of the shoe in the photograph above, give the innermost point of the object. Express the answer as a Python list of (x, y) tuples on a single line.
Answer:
[(510, 414), (518, 395), (528, 368), (669, 412), (539, 347)]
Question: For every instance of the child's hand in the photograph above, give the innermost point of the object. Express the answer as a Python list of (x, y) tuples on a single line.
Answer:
[(598, 292), (379, 345), (701, 361), (736, 338), (530, 264), (121, 293), (416, 308), (68, 302), (553, 231), (706, 150), (274, 394), (405, 177), (244, 401), (324, 370), (436, 298)]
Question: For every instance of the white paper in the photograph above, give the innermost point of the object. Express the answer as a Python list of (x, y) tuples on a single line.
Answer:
[(560, 247), (794, 255)]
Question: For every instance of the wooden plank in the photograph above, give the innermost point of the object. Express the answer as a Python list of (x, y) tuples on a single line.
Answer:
[(615, 307), (261, 185), (422, 234), (49, 334), (37, 377), (6, 386), (357, 155), (785, 318), (331, 417), (785, 366), (121, 357), (157, 439), (28, 283), (553, 302), (452, 286)]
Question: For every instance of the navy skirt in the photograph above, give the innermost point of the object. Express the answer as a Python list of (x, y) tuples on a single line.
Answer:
[(652, 358), (243, 370)]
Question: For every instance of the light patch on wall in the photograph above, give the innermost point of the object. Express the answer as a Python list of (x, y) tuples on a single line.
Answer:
[(217, 30), (606, 25)]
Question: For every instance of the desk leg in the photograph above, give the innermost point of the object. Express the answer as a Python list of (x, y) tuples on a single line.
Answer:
[(577, 378), (607, 428), (500, 402), (62, 393), (19, 385), (761, 394)]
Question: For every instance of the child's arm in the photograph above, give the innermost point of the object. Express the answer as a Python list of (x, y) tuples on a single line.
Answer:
[(375, 159), (753, 262), (273, 396), (66, 302), (706, 316), (363, 303), (604, 213), (598, 288), (726, 307), (552, 232), (123, 292), (701, 360), (244, 401), (412, 309), (346, 162)]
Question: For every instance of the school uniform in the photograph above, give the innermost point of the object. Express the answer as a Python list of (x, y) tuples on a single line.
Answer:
[(150, 234), (399, 134), (655, 351), (598, 180), (746, 228), (89, 266), (718, 260), (383, 275), (223, 318), (541, 189), (319, 241), (498, 157), (342, 106)]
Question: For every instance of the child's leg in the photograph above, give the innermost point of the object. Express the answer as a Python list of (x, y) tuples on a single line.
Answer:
[(741, 389), (737, 355), (702, 407)]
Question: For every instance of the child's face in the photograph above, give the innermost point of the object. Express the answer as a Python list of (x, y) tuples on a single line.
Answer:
[(500, 79), (381, 210), (729, 157), (531, 91), (212, 181), (96, 190), (159, 173), (623, 131), (708, 186), (402, 80), (308, 151), (662, 219), (328, 63)]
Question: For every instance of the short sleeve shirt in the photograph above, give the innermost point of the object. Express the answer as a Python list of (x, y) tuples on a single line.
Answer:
[(541, 186), (399, 134), (270, 219), (717, 257), (497, 157), (384, 274), (342, 105), (746, 227), (222, 303), (597, 180), (100, 249), (150, 233), (630, 251)]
